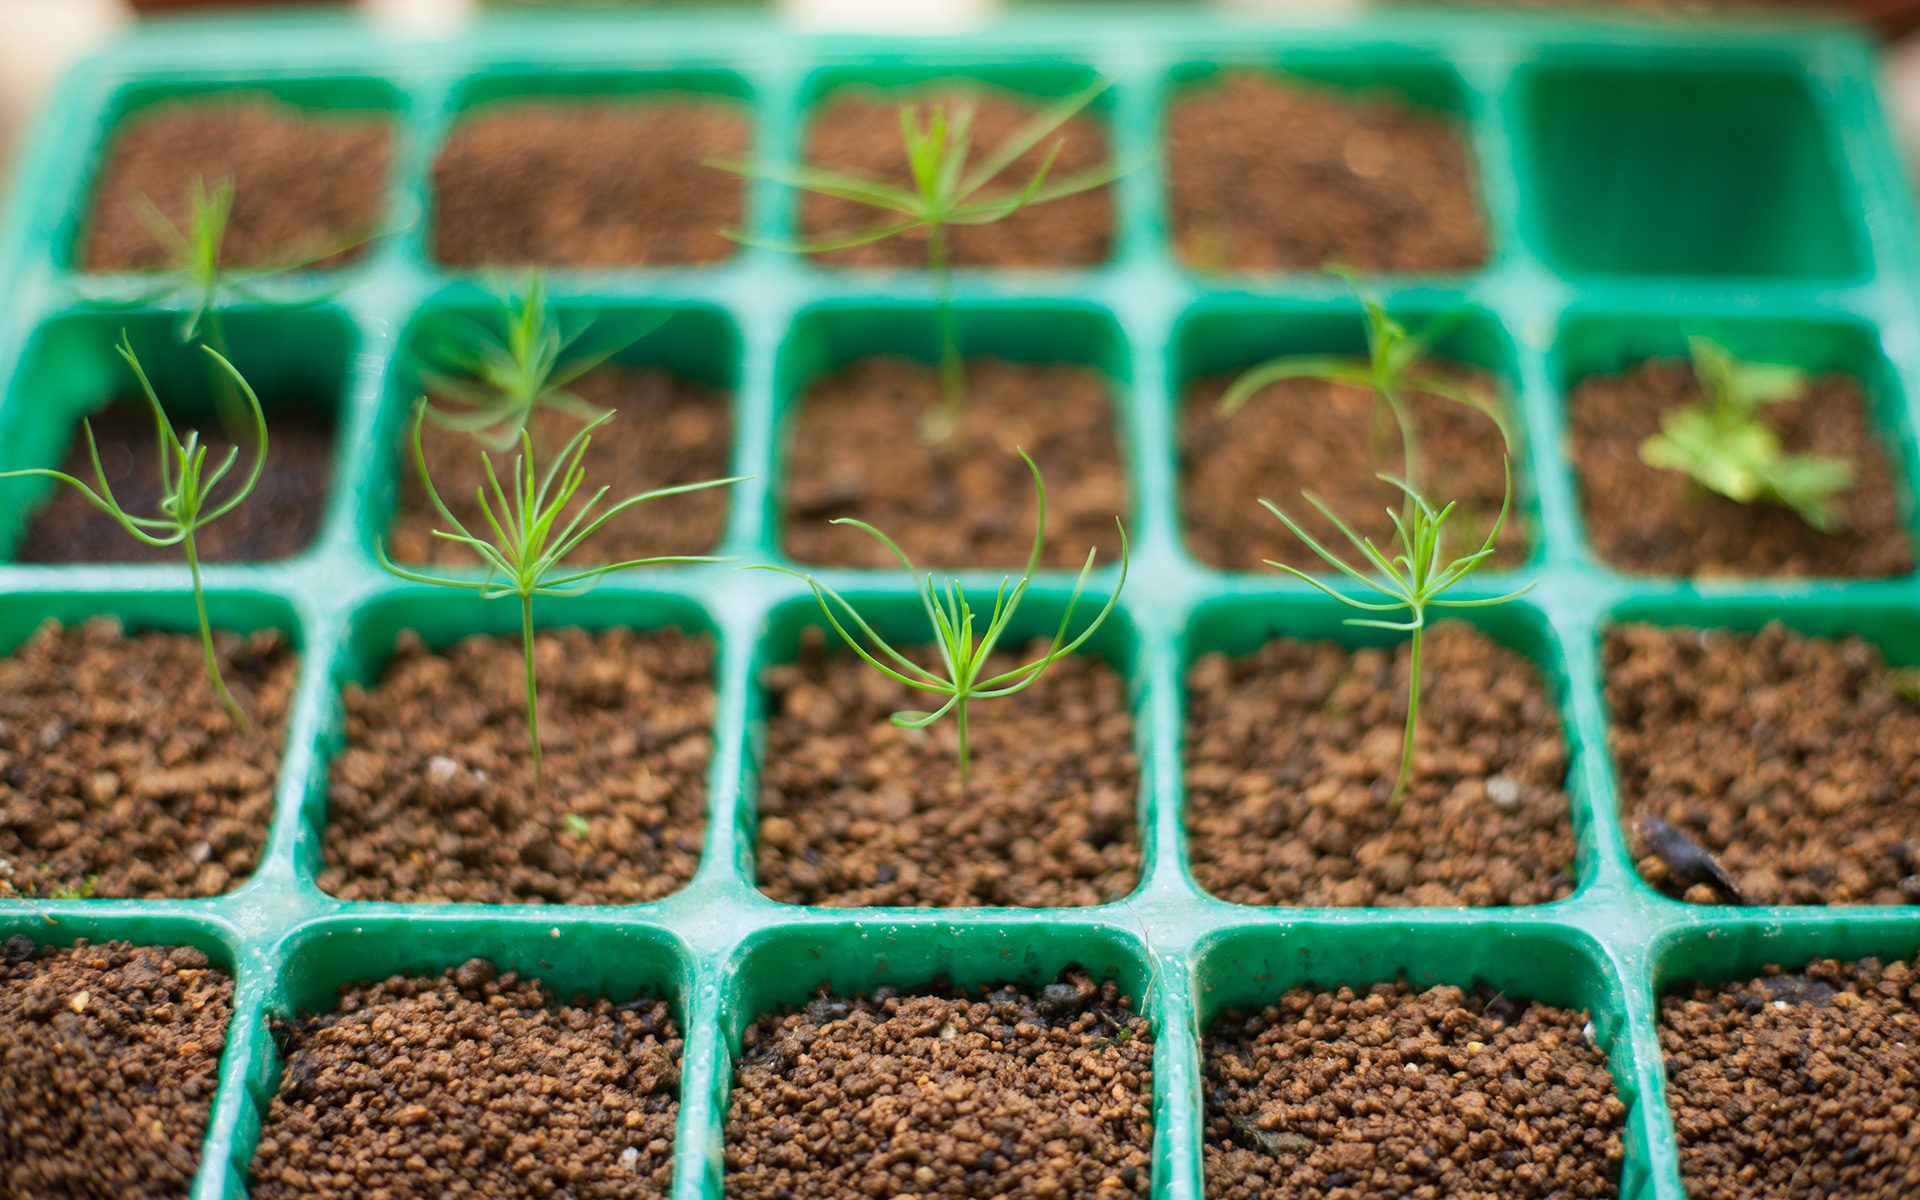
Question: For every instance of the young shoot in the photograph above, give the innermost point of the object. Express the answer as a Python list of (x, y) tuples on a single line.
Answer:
[(963, 639), (1413, 580), (530, 541), (948, 189), (1724, 443), (187, 492)]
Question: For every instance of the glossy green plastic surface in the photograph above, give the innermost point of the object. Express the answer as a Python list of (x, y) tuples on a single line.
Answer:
[(1617, 229)]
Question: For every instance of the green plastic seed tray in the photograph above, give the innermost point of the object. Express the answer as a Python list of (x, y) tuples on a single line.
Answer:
[(1621, 218)]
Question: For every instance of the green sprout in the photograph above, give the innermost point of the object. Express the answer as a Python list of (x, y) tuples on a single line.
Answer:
[(1723, 442), (84, 890), (187, 485), (1413, 580), (529, 541), (964, 643), (946, 192)]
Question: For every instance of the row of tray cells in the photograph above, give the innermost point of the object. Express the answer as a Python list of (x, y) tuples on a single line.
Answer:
[(853, 385), (1648, 170)]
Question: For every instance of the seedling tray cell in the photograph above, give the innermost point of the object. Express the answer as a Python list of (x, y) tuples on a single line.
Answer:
[(1606, 202)]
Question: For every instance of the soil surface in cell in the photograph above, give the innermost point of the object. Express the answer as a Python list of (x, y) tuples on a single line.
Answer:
[(590, 184), (278, 518), (307, 183), (121, 773), (945, 1096), (473, 1084), (1291, 756), (966, 500), (433, 799), (860, 135), (1396, 1092), (1335, 442), (109, 1059), (855, 811), (666, 430), (1797, 1086), (1662, 523), (1766, 768), (1267, 174)]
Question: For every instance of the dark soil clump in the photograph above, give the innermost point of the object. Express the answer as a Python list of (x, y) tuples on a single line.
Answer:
[(667, 430), (1334, 441), (109, 1059), (432, 798), (1662, 523), (472, 1084), (1266, 174), (944, 1095), (1797, 1087), (1793, 762), (278, 519), (861, 135), (854, 811), (1393, 1092), (968, 501), (306, 183), (1290, 760), (597, 184), (121, 773)]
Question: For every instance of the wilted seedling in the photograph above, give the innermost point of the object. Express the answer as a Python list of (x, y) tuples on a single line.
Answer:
[(523, 557), (187, 485), (1724, 443), (1414, 579), (946, 191), (964, 650)]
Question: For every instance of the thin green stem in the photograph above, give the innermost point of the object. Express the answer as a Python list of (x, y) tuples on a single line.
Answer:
[(960, 725), (533, 694), (228, 407), (953, 379), (1405, 780), (206, 635)]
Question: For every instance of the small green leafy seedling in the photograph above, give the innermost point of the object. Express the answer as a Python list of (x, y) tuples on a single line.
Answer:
[(1724, 443), (964, 643), (1414, 580), (529, 541), (187, 485), (946, 192)]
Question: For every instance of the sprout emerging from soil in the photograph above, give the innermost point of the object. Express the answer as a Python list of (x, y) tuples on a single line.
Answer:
[(187, 485), (1414, 579), (529, 541), (946, 191), (964, 647), (1723, 441)]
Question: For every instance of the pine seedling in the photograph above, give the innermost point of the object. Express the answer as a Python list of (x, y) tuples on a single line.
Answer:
[(187, 492), (963, 641), (1724, 443), (530, 541), (1414, 579), (948, 189)]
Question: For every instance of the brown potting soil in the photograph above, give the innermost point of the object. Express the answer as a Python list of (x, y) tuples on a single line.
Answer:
[(666, 430), (860, 134), (855, 811), (1271, 174), (473, 1084), (1793, 762), (121, 773), (590, 183), (1291, 756), (433, 799), (1396, 1092), (1661, 522), (278, 519), (1797, 1086), (307, 183), (1007, 1093), (109, 1059), (1334, 441), (967, 501)]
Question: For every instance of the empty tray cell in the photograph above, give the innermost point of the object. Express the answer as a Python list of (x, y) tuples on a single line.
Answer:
[(1696, 169), (591, 169)]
